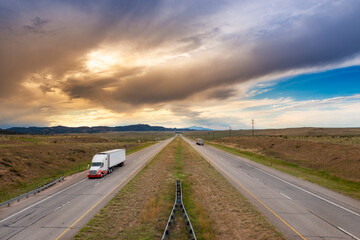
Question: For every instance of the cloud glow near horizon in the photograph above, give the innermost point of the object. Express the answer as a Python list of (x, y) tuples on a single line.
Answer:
[(207, 63)]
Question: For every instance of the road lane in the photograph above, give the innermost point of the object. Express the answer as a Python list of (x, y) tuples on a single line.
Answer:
[(297, 208), (52, 216)]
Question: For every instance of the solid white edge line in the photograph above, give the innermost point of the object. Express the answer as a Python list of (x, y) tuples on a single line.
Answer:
[(313, 194), (218, 167), (52, 195), (41, 201), (351, 235), (142, 165)]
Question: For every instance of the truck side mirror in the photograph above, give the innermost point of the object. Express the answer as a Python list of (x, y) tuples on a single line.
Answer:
[(88, 167)]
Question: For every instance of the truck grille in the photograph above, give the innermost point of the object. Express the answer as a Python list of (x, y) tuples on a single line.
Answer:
[(93, 172)]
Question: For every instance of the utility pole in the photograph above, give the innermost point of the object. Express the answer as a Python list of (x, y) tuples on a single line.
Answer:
[(252, 127), (229, 131)]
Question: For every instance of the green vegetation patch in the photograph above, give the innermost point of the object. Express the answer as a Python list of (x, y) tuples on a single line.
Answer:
[(320, 177), (220, 209), (140, 210), (199, 217)]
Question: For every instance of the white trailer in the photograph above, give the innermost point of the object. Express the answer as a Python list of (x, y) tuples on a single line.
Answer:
[(200, 141), (104, 162)]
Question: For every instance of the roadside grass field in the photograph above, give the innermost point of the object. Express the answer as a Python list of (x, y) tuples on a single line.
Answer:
[(30, 161), (329, 157), (319, 134), (216, 209), (333, 163)]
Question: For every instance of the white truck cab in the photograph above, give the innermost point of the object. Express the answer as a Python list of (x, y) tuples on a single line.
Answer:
[(99, 165), (104, 162)]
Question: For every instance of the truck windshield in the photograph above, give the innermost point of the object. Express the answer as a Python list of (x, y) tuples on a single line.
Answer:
[(96, 164)]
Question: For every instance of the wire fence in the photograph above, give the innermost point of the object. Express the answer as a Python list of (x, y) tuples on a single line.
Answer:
[(32, 192), (178, 207)]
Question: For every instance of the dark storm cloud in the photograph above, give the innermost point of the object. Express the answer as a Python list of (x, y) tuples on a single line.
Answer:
[(195, 41), (176, 83), (220, 93), (184, 111), (191, 117), (60, 33), (27, 47), (79, 26), (328, 36), (37, 26)]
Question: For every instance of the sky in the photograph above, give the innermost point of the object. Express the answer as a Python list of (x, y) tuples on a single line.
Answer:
[(209, 63)]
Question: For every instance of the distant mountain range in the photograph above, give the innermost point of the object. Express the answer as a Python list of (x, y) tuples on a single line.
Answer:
[(62, 129), (196, 128), (7, 132)]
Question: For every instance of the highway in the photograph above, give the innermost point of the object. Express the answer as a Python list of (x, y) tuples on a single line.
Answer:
[(298, 209), (60, 212)]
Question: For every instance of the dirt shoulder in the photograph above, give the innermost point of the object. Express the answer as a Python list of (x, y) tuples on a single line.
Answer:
[(216, 209)]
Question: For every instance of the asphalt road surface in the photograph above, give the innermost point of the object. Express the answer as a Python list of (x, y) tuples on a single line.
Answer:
[(299, 209), (60, 212)]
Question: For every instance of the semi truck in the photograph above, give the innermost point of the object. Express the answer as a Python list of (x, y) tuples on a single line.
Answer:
[(200, 141), (104, 162)]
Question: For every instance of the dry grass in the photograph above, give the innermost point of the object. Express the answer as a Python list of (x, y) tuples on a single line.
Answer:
[(306, 131), (141, 209), (332, 166), (216, 209), (344, 140), (223, 212), (151, 210), (338, 159), (27, 162), (329, 157)]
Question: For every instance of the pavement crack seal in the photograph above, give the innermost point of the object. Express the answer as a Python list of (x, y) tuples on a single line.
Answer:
[(178, 206)]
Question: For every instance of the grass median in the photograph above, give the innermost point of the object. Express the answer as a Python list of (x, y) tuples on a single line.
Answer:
[(216, 209)]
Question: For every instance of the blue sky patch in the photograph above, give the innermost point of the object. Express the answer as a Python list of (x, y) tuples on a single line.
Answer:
[(328, 84)]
